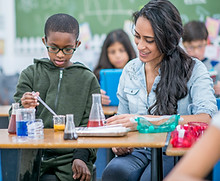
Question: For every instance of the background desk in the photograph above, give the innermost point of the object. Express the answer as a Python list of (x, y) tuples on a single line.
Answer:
[(4, 111), (4, 116), (55, 140), (109, 110)]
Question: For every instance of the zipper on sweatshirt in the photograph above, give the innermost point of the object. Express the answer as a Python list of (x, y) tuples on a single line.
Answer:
[(58, 88)]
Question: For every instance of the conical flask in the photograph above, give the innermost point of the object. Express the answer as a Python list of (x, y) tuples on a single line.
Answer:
[(70, 132), (12, 122), (96, 117)]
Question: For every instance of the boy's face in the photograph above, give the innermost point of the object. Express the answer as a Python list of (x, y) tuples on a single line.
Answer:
[(196, 48), (61, 40)]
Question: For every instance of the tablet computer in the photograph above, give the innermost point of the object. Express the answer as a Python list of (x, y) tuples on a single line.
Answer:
[(109, 79)]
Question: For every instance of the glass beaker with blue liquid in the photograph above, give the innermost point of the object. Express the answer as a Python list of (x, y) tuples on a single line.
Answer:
[(23, 116)]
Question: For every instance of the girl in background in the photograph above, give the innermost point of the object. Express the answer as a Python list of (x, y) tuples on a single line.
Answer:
[(117, 50)]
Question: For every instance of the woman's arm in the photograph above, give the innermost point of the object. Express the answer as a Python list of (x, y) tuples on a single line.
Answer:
[(196, 118), (200, 159)]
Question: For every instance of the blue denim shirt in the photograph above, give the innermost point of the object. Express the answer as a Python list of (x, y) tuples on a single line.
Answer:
[(134, 99)]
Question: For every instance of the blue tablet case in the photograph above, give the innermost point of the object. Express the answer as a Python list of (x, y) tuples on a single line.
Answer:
[(109, 79)]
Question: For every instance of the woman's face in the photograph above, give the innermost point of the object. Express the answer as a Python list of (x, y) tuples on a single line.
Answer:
[(144, 39), (117, 55)]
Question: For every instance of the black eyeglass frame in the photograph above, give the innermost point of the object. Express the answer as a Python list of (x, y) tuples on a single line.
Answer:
[(58, 49)]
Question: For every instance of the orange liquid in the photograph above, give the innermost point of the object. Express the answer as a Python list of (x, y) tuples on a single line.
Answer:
[(59, 127), (94, 123)]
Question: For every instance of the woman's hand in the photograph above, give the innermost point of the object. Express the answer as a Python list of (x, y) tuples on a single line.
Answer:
[(105, 98), (29, 100), (80, 170), (127, 120), (122, 151)]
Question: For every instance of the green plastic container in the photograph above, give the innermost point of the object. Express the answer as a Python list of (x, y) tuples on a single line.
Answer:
[(146, 125)]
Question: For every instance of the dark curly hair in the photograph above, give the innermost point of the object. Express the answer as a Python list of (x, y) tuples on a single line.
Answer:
[(61, 23), (176, 66)]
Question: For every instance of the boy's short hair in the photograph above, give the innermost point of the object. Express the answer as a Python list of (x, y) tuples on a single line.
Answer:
[(194, 30), (61, 23)]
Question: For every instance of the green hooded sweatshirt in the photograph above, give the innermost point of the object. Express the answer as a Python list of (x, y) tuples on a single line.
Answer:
[(67, 91)]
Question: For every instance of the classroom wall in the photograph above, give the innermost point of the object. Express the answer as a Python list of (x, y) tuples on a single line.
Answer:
[(22, 22)]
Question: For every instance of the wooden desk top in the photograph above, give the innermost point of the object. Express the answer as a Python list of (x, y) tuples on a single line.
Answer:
[(55, 140), (171, 151), (110, 110), (4, 110)]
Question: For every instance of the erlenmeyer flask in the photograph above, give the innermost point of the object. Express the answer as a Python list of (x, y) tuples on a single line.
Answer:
[(70, 132), (96, 117), (12, 122)]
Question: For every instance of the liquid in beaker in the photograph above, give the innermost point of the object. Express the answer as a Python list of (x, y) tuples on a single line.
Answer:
[(96, 117)]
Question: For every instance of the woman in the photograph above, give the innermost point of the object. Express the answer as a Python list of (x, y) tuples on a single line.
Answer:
[(164, 80), (117, 50)]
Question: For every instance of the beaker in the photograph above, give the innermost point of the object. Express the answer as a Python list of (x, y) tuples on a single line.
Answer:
[(96, 117), (59, 122), (12, 122), (23, 116), (36, 129), (70, 132)]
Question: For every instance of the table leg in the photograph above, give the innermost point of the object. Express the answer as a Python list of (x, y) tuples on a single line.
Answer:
[(156, 164)]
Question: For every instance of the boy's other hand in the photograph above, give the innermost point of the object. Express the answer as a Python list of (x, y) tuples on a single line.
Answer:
[(29, 100), (122, 150), (80, 170), (105, 98)]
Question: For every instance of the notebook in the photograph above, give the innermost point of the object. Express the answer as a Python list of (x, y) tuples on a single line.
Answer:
[(112, 130), (109, 79)]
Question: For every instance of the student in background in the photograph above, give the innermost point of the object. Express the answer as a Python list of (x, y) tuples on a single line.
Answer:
[(67, 88), (117, 50), (201, 158), (195, 36), (163, 80)]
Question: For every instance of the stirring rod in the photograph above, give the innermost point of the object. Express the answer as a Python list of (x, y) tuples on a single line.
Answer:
[(49, 109)]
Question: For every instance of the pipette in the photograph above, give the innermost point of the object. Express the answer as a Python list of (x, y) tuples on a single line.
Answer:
[(42, 102)]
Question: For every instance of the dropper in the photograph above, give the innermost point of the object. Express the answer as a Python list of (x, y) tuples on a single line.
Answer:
[(49, 109)]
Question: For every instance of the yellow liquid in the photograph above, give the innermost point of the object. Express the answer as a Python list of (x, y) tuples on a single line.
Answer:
[(59, 127)]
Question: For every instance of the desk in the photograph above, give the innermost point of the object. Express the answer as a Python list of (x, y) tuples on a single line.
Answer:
[(110, 110), (4, 110), (178, 152), (171, 151), (132, 139)]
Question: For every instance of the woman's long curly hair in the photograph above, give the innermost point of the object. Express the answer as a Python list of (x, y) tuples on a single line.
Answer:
[(176, 66)]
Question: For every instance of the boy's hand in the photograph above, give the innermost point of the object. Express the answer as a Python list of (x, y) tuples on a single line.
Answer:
[(105, 98), (80, 170), (29, 100)]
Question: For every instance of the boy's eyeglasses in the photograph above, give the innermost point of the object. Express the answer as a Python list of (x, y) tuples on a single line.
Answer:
[(66, 51), (193, 48)]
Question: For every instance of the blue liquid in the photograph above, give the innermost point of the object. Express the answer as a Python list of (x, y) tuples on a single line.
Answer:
[(21, 128)]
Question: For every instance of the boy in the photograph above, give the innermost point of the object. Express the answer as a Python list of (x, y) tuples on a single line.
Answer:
[(195, 36), (67, 88)]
